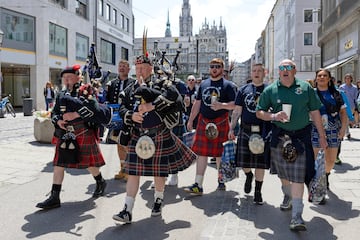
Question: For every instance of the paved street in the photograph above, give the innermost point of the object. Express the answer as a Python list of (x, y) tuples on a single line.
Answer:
[(26, 176)]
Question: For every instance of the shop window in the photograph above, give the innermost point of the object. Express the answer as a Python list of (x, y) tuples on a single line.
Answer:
[(107, 52)]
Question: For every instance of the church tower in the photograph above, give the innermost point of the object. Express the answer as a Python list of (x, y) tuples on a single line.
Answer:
[(168, 31), (185, 20)]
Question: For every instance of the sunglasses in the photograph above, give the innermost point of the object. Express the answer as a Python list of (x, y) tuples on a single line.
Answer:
[(191, 79), (215, 66), (287, 67)]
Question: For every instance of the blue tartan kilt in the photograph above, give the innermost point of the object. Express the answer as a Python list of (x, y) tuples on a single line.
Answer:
[(171, 156)]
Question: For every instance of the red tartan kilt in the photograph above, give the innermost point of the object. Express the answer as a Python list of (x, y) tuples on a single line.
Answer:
[(89, 150), (211, 148)]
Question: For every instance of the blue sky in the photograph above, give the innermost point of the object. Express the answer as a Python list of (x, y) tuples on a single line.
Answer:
[(244, 20)]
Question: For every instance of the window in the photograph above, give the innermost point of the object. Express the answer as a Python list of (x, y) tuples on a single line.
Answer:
[(127, 25), (18, 29), (308, 15), (124, 53), (101, 7), (82, 47), (308, 39), (107, 12), (57, 40), (59, 2), (317, 61), (107, 52), (122, 21), (81, 8), (114, 16), (306, 63)]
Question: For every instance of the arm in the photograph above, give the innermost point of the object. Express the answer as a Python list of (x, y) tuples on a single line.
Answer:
[(234, 120), (194, 112), (344, 123)]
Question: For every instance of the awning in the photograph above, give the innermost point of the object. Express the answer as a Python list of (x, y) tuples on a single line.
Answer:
[(340, 63)]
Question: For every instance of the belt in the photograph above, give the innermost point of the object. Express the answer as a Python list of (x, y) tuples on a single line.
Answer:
[(149, 131), (251, 127)]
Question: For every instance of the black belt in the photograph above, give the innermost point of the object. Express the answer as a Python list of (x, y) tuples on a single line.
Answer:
[(248, 127), (148, 131)]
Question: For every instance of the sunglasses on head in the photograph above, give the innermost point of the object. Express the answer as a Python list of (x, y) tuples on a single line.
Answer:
[(287, 67), (217, 66)]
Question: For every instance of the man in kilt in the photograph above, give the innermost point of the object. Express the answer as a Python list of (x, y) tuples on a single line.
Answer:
[(77, 114), (150, 110), (247, 158), (292, 156), (114, 88), (214, 99)]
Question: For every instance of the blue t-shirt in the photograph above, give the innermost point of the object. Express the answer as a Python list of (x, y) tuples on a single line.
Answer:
[(247, 97), (224, 91)]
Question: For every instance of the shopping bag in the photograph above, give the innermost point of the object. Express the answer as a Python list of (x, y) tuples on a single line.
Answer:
[(188, 138), (227, 169), (317, 187)]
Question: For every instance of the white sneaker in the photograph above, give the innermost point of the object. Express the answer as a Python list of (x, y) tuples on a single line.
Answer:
[(173, 180)]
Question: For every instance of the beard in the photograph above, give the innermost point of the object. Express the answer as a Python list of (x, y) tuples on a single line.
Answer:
[(215, 74)]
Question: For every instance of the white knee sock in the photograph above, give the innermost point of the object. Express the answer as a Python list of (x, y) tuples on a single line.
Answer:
[(129, 202)]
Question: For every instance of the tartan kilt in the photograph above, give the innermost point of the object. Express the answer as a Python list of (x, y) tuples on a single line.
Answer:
[(171, 156), (214, 147), (293, 171), (245, 158), (89, 150), (179, 131)]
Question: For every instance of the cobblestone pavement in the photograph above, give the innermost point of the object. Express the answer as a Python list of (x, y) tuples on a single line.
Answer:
[(26, 173)]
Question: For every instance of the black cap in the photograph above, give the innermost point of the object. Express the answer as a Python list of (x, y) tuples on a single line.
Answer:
[(75, 69)]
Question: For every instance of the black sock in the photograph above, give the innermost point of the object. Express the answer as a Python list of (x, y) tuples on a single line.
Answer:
[(327, 180), (258, 186), (56, 187), (99, 178), (248, 174)]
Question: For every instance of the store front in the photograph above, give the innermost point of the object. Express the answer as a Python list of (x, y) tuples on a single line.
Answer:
[(16, 82)]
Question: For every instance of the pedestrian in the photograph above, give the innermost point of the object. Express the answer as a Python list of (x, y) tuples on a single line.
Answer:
[(49, 94), (351, 92), (189, 98), (287, 102), (334, 119), (114, 88), (214, 100), (149, 112), (76, 116), (253, 148)]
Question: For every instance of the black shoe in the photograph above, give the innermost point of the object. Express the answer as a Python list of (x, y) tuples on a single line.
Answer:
[(100, 189), (248, 181), (50, 203), (156, 211), (258, 198), (123, 216)]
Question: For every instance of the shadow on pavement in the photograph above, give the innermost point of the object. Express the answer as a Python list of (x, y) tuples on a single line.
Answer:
[(43, 222), (149, 228), (345, 167), (336, 208)]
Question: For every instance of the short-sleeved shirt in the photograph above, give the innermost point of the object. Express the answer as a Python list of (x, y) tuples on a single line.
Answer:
[(351, 93), (247, 97), (300, 95), (224, 91)]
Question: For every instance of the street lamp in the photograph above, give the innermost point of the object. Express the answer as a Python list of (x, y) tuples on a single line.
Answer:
[(1, 77)]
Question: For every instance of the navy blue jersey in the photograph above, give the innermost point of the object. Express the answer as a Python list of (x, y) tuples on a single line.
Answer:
[(223, 90), (247, 97)]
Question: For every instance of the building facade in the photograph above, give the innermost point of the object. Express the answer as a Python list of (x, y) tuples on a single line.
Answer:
[(339, 37), (291, 33), (196, 51), (43, 37)]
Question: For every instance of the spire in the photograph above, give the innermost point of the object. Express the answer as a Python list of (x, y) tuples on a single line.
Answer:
[(168, 31)]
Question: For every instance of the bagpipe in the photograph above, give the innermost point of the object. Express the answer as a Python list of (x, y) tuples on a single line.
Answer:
[(85, 101)]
